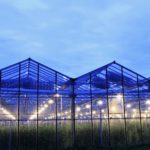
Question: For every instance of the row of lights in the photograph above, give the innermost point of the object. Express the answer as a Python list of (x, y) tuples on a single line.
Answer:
[(78, 109), (8, 114), (87, 106), (42, 109)]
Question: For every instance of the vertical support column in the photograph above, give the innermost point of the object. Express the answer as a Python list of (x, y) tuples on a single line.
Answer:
[(73, 114), (19, 82), (141, 129), (149, 85), (56, 111), (91, 108), (124, 108), (107, 95), (0, 87), (0, 97), (37, 121)]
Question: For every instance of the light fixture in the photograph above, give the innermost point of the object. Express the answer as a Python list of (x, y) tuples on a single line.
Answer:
[(50, 101), (66, 112), (94, 112), (78, 109), (87, 106), (57, 95), (102, 111), (100, 102), (128, 105), (148, 102), (45, 105), (81, 114)]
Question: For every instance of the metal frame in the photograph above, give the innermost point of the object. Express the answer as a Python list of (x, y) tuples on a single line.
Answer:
[(36, 80)]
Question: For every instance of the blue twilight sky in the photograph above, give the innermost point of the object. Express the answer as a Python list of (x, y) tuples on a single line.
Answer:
[(76, 36)]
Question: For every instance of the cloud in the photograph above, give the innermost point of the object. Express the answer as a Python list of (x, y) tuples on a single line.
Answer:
[(11, 35), (26, 5), (75, 37)]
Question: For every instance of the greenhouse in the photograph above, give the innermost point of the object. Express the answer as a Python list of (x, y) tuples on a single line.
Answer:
[(43, 109)]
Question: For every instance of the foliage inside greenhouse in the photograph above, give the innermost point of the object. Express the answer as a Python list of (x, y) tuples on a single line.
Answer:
[(43, 109)]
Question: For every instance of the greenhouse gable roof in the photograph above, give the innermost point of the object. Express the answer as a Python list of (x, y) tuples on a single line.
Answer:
[(30, 63)]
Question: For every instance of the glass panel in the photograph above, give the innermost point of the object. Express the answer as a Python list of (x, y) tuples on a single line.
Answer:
[(116, 105), (145, 107), (99, 110), (131, 97)]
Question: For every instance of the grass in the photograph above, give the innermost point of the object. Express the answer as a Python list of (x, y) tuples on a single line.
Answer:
[(47, 136), (145, 147)]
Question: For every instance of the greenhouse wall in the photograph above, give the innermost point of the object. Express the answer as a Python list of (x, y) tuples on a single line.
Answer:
[(42, 109)]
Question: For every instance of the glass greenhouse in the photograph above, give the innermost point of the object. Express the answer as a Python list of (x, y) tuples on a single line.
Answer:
[(43, 109)]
